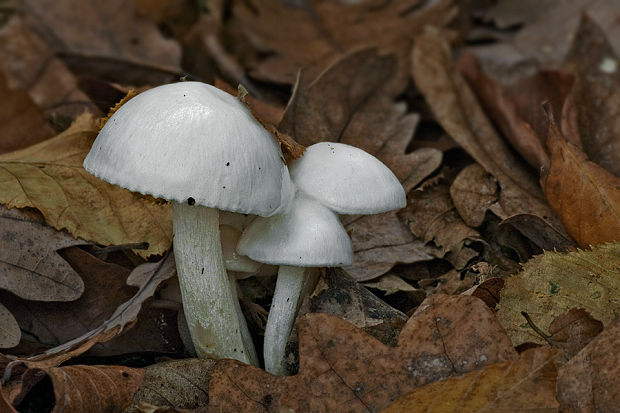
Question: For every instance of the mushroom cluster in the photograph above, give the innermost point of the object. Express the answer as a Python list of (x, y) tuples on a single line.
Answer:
[(199, 147), (330, 179)]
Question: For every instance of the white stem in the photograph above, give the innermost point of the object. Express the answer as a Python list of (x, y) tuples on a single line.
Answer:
[(286, 301), (210, 309)]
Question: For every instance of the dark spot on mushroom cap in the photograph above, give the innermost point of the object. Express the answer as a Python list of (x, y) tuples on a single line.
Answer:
[(191, 201), (227, 163)]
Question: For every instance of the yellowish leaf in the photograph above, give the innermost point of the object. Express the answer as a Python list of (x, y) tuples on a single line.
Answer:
[(553, 283), (49, 177)]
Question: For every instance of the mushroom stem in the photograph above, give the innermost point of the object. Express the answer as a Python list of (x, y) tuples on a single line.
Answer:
[(284, 306), (212, 316)]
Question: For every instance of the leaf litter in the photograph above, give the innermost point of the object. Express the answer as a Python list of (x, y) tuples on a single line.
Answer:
[(376, 76)]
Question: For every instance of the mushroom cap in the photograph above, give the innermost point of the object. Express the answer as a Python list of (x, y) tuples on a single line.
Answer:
[(192, 140), (307, 235), (347, 180)]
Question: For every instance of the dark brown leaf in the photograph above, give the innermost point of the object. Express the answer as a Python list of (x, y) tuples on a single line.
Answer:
[(574, 330), (328, 30), (344, 370)]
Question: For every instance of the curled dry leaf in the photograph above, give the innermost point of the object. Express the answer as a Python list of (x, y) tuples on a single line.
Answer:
[(78, 389), (589, 381), (49, 177), (460, 115), (526, 384), (553, 283), (473, 191), (182, 384), (573, 330), (330, 29), (597, 93), (516, 107), (30, 266), (123, 318), (584, 195), (344, 370), (10, 333)]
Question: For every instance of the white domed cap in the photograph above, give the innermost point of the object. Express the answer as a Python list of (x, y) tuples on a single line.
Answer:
[(347, 180), (192, 140), (308, 235)]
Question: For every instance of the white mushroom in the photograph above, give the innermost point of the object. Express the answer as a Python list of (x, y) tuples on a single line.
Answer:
[(308, 235), (330, 178), (199, 147)]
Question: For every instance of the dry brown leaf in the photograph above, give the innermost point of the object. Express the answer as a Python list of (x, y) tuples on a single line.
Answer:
[(329, 29), (49, 177), (473, 191), (431, 216), (28, 64), (517, 107), (94, 28), (30, 266), (344, 370), (460, 115), (21, 121), (488, 291), (348, 103), (123, 318), (589, 382), (573, 330), (539, 232), (181, 384), (526, 384), (597, 95), (78, 389), (585, 196), (55, 323), (553, 283), (390, 284), (10, 333)]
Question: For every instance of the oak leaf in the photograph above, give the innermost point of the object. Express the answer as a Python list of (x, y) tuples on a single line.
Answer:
[(49, 177), (344, 370), (553, 283)]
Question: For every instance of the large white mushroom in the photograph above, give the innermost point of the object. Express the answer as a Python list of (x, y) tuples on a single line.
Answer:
[(331, 179), (200, 148)]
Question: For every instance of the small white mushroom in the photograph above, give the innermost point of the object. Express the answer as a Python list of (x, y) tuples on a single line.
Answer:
[(199, 147), (308, 235), (330, 178)]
